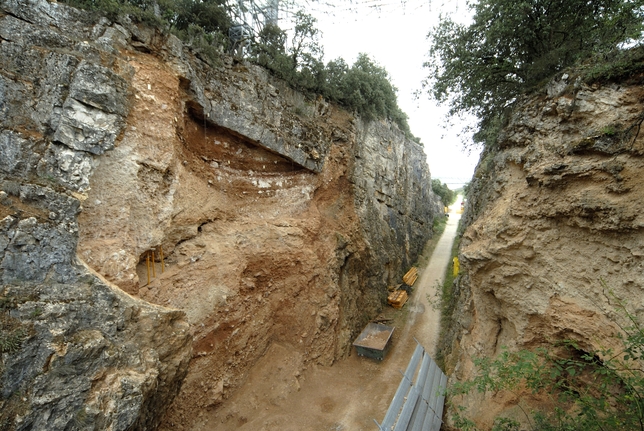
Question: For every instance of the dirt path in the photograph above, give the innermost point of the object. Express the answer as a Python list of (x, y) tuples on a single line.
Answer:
[(347, 396)]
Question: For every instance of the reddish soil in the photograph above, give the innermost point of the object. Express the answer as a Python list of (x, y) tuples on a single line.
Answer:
[(254, 250), (283, 393)]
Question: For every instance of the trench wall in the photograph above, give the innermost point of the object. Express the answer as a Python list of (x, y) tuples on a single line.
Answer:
[(281, 218)]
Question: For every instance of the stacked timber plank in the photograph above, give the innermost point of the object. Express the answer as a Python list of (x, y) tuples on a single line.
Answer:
[(411, 276), (397, 298)]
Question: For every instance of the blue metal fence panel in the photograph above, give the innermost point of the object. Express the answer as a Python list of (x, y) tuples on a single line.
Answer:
[(417, 406), (401, 392), (421, 405), (407, 410)]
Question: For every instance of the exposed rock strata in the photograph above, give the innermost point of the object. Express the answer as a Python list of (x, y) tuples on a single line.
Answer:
[(77, 352), (554, 225), (280, 219)]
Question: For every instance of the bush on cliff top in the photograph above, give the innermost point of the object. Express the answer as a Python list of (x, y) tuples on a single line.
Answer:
[(511, 47), (447, 195), (363, 88)]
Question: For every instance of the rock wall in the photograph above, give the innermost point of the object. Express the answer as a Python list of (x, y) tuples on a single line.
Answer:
[(260, 214), (77, 352), (554, 229)]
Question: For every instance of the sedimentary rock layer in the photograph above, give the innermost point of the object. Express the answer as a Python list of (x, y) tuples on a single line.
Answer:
[(554, 231), (259, 214)]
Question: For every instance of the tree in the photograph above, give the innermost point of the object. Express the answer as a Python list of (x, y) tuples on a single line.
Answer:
[(301, 63), (366, 88), (336, 70), (305, 46), (447, 196), (210, 15), (269, 51), (512, 46)]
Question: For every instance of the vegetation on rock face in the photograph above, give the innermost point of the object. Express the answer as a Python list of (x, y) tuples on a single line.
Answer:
[(512, 47), (589, 390), (364, 87), (12, 331), (210, 16), (204, 24), (447, 302), (447, 196)]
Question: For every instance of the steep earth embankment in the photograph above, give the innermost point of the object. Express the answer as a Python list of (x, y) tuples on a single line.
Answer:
[(279, 218), (554, 230)]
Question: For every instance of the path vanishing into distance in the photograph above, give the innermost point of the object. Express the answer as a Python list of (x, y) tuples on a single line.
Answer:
[(349, 395)]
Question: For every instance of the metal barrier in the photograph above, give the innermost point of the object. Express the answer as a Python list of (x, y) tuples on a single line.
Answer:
[(417, 406)]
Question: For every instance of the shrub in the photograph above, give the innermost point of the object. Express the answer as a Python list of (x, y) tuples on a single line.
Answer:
[(596, 390)]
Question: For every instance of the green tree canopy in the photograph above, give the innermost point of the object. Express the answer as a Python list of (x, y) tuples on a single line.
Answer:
[(447, 196), (512, 46), (363, 87), (366, 88)]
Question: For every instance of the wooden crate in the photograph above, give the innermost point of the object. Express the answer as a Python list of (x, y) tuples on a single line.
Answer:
[(397, 298), (411, 276)]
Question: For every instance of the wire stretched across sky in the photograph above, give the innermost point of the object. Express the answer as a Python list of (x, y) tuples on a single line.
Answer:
[(341, 9), (255, 14)]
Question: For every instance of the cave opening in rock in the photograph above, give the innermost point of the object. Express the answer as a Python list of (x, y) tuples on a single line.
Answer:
[(219, 147)]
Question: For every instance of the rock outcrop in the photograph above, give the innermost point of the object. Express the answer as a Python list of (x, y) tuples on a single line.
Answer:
[(258, 214), (77, 352), (554, 232)]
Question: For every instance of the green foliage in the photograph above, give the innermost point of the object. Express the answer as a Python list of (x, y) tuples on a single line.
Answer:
[(12, 333), (202, 24), (448, 301), (269, 51), (616, 65), (513, 46), (301, 64), (601, 390), (306, 53), (367, 89), (112, 9), (81, 419), (438, 226), (334, 86), (447, 196), (364, 87), (11, 340), (209, 15), (466, 189)]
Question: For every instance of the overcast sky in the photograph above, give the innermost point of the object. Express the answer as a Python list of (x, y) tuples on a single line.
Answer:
[(394, 35)]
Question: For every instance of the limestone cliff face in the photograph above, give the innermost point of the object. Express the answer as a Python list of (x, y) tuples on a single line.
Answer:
[(555, 222), (77, 352), (280, 219)]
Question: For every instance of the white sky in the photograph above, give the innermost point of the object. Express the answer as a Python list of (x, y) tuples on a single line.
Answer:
[(394, 35)]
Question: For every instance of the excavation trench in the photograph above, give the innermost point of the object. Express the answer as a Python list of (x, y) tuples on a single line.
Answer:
[(282, 220), (282, 393)]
